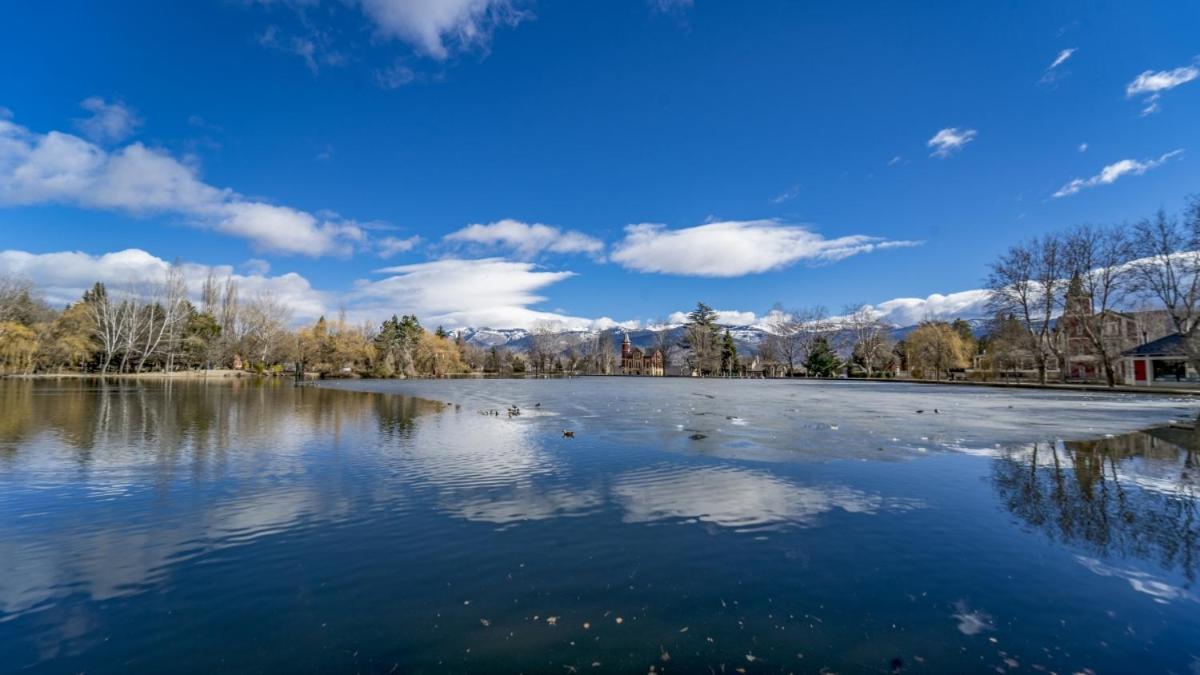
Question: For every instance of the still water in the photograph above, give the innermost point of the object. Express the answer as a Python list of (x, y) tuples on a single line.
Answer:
[(686, 527)]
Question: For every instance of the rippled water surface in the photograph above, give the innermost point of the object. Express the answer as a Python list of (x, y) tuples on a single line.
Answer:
[(687, 526)]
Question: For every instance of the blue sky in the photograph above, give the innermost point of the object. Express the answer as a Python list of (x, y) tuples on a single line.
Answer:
[(399, 155)]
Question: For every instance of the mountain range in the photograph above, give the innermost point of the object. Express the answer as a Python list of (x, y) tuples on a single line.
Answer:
[(746, 337)]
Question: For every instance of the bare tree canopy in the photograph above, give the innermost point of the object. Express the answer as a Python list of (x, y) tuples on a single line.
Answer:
[(1167, 270), (1025, 282)]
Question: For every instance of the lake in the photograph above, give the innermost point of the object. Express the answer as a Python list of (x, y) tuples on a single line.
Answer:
[(687, 526)]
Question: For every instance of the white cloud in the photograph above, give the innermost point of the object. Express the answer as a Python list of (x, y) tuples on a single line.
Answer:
[(527, 240), (109, 122), (911, 311), (454, 292), (1153, 84), (437, 28), (1061, 58), (1083, 147), (1054, 73), (950, 140), (735, 248), (1110, 173), (787, 195), (60, 168), (256, 266), (64, 275), (390, 246), (725, 317), (895, 160)]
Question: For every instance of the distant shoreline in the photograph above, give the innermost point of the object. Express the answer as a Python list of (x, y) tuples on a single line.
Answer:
[(229, 374), (216, 374)]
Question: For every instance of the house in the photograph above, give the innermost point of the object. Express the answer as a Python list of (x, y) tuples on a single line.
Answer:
[(1118, 332), (759, 367), (634, 361), (1161, 362)]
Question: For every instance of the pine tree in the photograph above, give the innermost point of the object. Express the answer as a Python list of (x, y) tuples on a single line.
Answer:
[(822, 361), (729, 354)]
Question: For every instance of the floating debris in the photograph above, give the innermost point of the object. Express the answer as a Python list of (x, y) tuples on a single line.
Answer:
[(698, 437), (568, 434), (619, 620), (971, 622), (552, 620)]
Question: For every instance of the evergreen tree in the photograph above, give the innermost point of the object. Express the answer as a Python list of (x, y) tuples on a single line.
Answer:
[(822, 361), (701, 339), (200, 335), (729, 355), (441, 332), (396, 344)]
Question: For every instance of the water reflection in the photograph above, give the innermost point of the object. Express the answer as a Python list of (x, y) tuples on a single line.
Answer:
[(105, 486), (97, 425), (238, 520), (1133, 496), (737, 498)]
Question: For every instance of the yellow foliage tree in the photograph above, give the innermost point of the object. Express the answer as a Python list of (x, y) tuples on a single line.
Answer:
[(67, 341), (18, 347), (936, 347), (438, 356)]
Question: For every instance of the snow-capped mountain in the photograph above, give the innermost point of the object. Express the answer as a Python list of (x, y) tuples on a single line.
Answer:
[(748, 338)]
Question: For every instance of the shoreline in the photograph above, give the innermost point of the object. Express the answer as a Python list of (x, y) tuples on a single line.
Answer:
[(229, 374), (215, 374)]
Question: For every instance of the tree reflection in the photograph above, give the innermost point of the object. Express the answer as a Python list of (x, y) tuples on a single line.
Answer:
[(171, 422), (1133, 495)]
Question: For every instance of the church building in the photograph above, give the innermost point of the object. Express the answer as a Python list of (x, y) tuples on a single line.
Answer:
[(634, 361)]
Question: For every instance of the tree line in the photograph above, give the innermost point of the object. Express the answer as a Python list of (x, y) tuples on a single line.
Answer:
[(155, 327), (1153, 264)]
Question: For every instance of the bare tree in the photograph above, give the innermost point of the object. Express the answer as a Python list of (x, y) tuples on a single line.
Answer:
[(782, 340), (814, 326), (1097, 260), (106, 317), (20, 301), (543, 345), (164, 310), (1168, 270), (867, 335), (136, 314), (262, 326), (1026, 282), (601, 359)]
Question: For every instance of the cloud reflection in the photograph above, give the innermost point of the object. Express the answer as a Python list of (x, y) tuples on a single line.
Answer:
[(737, 498)]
